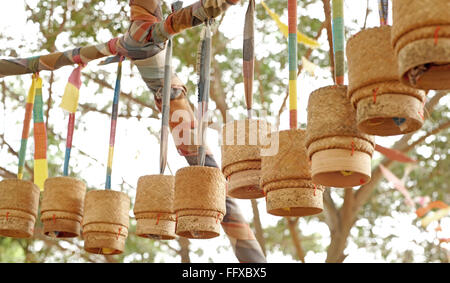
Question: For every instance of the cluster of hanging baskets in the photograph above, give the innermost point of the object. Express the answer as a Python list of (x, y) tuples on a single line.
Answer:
[(389, 67)]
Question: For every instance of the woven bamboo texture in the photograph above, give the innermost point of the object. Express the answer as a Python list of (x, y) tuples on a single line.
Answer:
[(421, 39), (63, 206), (199, 201), (245, 184), (392, 114), (330, 114), (384, 106), (241, 144), (19, 201), (105, 221), (286, 178), (153, 209), (340, 154)]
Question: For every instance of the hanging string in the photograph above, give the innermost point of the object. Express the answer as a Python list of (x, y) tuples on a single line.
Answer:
[(338, 40), (26, 126), (165, 107), (383, 9), (292, 41), (70, 103), (249, 55), (176, 5), (40, 138), (204, 62), (112, 135)]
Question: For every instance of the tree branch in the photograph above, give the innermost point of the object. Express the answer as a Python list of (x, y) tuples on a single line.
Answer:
[(367, 14), (363, 194), (327, 11), (292, 225), (330, 211), (258, 227)]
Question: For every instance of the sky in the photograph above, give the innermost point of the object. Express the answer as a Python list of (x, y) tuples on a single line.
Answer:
[(137, 153)]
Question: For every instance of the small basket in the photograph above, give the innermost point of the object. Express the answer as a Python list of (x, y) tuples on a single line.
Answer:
[(154, 207), (286, 178), (199, 202), (19, 202), (421, 40), (340, 154), (241, 161), (105, 222), (384, 106), (62, 207)]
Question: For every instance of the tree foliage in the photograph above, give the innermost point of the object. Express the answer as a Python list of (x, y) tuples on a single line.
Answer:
[(94, 20)]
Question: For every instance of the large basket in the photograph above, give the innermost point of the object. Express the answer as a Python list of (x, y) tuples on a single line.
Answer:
[(199, 202), (286, 178), (241, 161), (19, 202), (421, 39), (384, 106), (340, 154), (105, 222), (154, 207), (62, 207)]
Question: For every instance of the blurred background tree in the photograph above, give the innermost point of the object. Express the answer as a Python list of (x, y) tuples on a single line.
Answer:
[(355, 220)]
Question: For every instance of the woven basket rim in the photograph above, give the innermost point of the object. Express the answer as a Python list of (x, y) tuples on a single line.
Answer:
[(355, 103), (356, 35), (372, 142), (395, 39)]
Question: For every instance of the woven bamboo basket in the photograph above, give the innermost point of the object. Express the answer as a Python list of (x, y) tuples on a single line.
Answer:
[(19, 202), (154, 207), (241, 161), (62, 207), (340, 154), (384, 106), (199, 202), (421, 39), (286, 178), (105, 222)]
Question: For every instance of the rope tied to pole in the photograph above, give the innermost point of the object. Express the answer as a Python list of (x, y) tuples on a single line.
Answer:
[(204, 67), (114, 115)]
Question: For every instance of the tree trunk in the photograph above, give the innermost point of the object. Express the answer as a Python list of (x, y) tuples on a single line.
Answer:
[(258, 227), (184, 250), (292, 225)]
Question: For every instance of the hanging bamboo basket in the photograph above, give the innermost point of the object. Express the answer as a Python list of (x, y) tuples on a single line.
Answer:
[(241, 161), (421, 39), (105, 222), (384, 106), (62, 207), (154, 207), (340, 154), (286, 178), (19, 202), (199, 202)]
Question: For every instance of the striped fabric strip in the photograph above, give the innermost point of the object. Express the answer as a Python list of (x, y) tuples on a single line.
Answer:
[(70, 103), (204, 61), (70, 129), (292, 42), (165, 107), (40, 138), (383, 9), (249, 55), (338, 40), (301, 37), (112, 135), (26, 126)]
